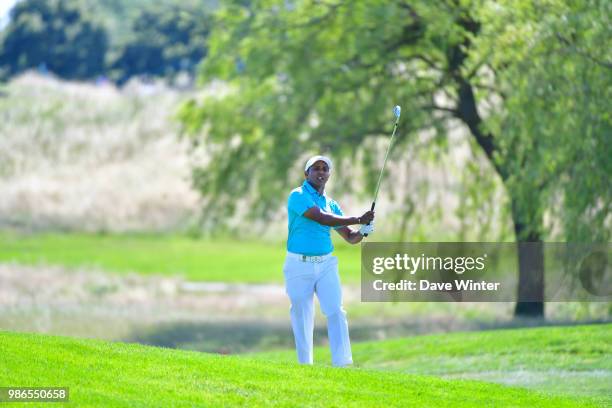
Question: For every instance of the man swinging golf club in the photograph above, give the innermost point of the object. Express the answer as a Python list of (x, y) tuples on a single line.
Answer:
[(310, 267)]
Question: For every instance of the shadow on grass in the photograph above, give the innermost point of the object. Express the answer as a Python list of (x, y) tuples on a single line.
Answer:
[(234, 337)]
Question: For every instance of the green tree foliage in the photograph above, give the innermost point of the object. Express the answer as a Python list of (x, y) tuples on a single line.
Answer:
[(166, 39), (315, 75), (118, 16), (553, 68), (529, 80), (56, 34)]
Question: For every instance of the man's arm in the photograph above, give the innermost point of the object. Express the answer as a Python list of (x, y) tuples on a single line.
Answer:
[(333, 220), (349, 235)]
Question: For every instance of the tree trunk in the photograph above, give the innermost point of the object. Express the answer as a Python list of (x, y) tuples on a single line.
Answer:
[(530, 302), (530, 290)]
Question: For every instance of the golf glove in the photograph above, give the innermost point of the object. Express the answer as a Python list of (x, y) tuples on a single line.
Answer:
[(367, 228)]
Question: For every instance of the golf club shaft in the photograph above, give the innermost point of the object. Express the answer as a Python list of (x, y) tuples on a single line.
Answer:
[(383, 167)]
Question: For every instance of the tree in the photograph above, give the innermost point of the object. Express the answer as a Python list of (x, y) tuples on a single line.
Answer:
[(167, 39), (56, 34), (553, 131), (323, 74)]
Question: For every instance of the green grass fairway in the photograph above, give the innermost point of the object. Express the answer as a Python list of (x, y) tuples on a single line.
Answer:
[(203, 260), (128, 375), (572, 360)]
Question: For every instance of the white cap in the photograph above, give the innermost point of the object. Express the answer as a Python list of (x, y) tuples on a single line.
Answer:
[(315, 159)]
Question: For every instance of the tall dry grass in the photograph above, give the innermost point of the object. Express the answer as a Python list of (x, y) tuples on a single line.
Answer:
[(83, 157), (87, 157)]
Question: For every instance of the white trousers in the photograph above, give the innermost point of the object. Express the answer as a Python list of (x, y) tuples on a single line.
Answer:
[(302, 281)]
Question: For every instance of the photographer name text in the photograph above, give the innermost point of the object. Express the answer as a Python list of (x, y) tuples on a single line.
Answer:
[(413, 264)]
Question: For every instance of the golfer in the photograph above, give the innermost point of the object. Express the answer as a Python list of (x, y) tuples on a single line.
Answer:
[(310, 267)]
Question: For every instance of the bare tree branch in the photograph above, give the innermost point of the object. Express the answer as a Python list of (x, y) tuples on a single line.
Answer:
[(454, 111), (576, 50)]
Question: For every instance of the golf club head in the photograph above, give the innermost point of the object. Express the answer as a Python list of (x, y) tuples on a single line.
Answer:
[(397, 111)]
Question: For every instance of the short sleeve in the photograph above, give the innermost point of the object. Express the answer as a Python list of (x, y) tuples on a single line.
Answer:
[(299, 202), (335, 207)]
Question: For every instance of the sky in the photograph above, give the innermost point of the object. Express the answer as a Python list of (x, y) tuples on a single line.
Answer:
[(5, 6)]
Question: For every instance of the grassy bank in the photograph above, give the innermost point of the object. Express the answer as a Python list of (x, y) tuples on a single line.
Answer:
[(572, 360), (172, 255), (116, 375)]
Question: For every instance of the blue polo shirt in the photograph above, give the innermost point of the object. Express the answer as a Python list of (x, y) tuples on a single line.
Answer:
[(306, 236)]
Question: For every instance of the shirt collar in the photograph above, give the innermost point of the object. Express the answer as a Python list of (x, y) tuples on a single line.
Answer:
[(311, 189)]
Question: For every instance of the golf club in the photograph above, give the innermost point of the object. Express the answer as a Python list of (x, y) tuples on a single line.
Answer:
[(397, 110)]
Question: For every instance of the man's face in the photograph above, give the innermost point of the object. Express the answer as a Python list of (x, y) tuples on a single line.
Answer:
[(318, 174)]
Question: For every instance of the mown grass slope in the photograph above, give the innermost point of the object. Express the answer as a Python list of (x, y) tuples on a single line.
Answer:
[(117, 374), (571, 360), (204, 260)]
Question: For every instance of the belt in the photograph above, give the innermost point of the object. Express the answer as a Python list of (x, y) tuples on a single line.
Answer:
[(308, 258)]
